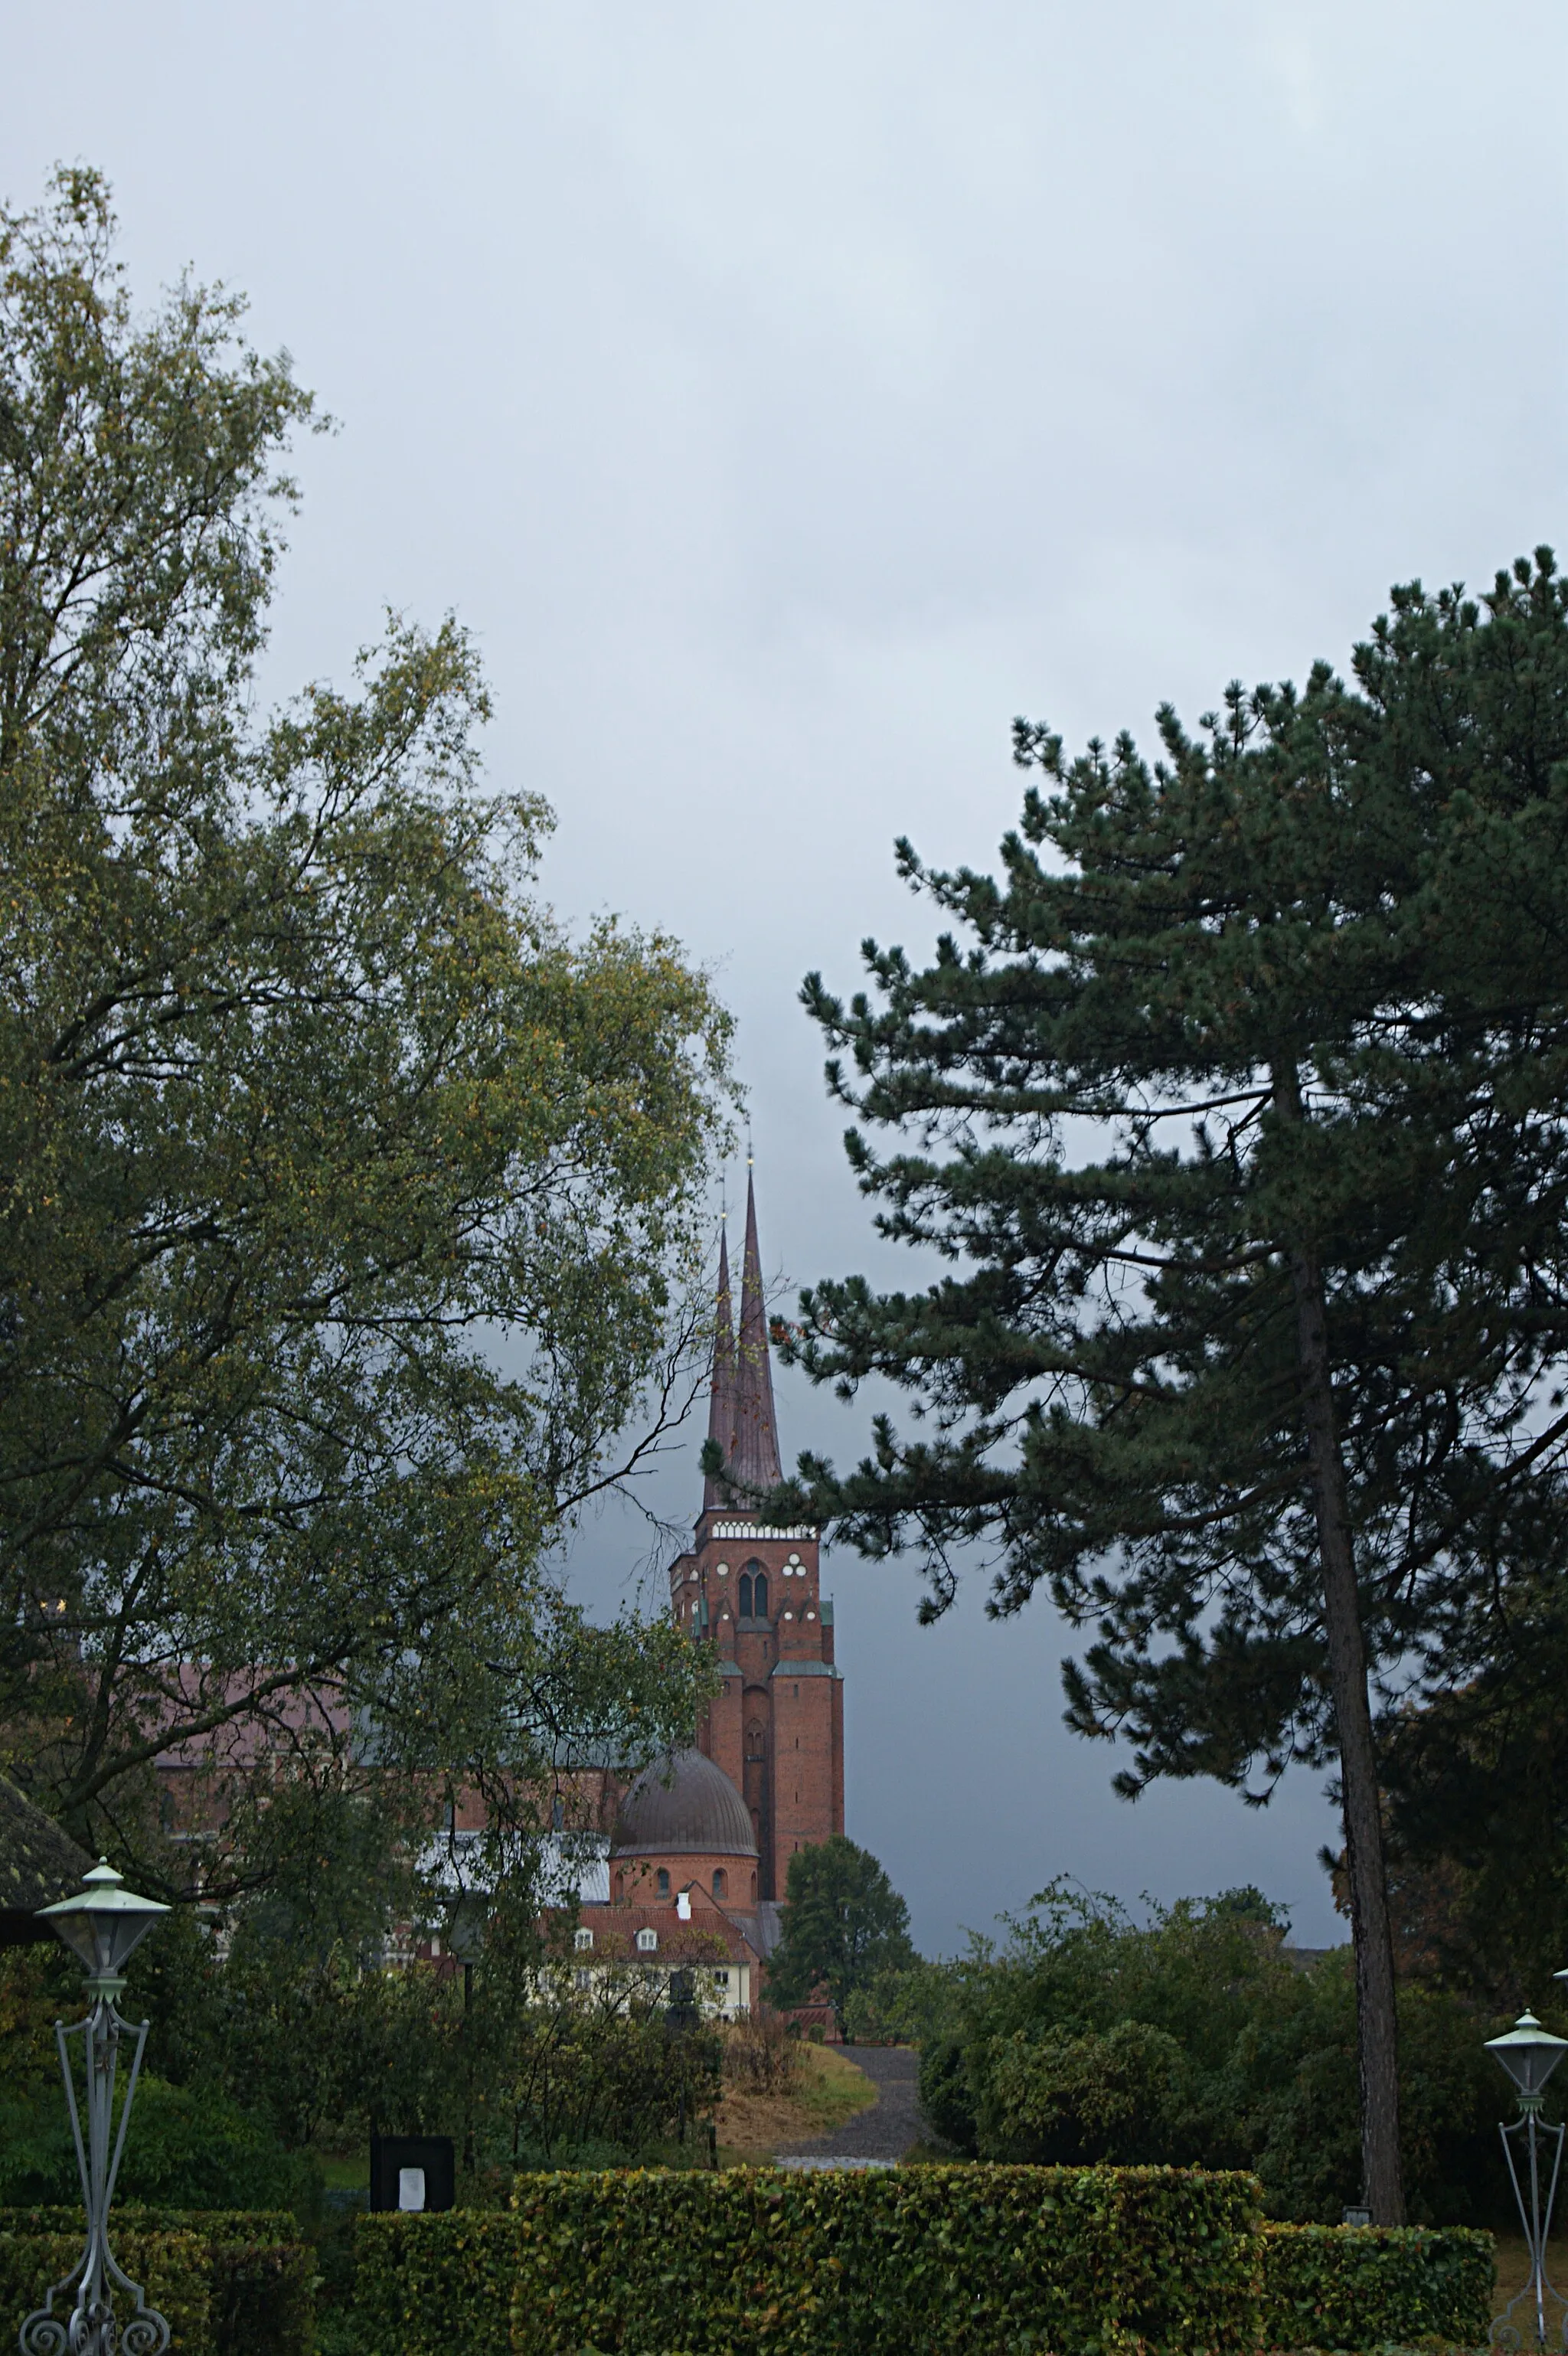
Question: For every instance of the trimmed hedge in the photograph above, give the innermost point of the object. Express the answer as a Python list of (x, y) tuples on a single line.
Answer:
[(1081, 2262), (429, 2285), (1358, 2287), (171, 2268), (255, 2291)]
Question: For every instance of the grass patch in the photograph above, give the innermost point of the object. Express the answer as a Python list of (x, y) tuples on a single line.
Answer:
[(827, 2089), (832, 2088), (1513, 2270)]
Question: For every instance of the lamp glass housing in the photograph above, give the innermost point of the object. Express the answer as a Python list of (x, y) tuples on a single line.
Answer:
[(465, 1923), (104, 1923), (1529, 2054)]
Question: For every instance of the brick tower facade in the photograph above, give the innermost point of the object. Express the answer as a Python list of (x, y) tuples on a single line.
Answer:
[(752, 1590)]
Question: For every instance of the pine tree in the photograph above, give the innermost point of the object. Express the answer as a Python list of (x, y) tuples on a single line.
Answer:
[(1237, 1114)]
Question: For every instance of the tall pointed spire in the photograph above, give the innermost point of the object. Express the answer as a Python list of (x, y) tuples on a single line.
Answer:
[(721, 1389), (756, 1460)]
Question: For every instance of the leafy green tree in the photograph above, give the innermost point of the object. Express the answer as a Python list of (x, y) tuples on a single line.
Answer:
[(348, 1206), (1239, 1119), (844, 1922)]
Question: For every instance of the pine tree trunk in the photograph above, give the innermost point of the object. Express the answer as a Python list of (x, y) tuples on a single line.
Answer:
[(1377, 2032)]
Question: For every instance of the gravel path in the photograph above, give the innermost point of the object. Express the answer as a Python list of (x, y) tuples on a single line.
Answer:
[(886, 2131)]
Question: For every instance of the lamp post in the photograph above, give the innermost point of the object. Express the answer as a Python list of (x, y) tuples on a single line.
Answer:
[(101, 1924), (1530, 2054)]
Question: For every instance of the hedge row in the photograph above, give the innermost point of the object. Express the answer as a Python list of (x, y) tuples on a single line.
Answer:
[(1358, 2287), (1081, 2262), (430, 2283), (231, 2283), (171, 2268)]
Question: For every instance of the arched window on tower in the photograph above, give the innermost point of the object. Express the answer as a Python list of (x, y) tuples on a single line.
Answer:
[(664, 1882), (745, 1595), (759, 1595), (720, 1882)]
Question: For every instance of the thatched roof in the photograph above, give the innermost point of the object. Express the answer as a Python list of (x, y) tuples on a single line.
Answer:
[(38, 1864)]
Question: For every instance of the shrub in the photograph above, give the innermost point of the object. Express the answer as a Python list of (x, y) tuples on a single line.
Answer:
[(1195, 2038), (1099, 2097), (1360, 2286), (946, 2094), (1083, 2262), (760, 2054), (913, 2004), (255, 2292), (185, 2149)]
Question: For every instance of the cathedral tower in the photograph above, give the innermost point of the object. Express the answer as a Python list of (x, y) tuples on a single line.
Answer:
[(751, 1589)]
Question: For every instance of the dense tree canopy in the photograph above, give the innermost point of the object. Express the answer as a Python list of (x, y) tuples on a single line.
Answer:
[(1195, 2035), (1240, 1118), (347, 1203)]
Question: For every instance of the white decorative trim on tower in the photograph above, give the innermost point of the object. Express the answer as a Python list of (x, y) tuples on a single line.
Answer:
[(761, 1530)]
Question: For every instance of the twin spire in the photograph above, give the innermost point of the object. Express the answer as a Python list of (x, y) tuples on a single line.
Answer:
[(740, 1415)]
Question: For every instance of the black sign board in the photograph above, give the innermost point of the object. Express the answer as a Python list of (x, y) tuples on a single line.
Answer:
[(681, 2012), (411, 2172)]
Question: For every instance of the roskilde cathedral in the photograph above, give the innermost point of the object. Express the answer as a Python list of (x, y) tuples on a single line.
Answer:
[(753, 1591), (717, 1826)]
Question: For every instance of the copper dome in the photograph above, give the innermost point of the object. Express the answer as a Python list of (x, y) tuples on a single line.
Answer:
[(684, 1805)]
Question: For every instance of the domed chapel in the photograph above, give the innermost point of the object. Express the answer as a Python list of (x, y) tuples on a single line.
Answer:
[(710, 1832)]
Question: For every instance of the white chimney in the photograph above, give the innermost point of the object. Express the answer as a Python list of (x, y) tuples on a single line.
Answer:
[(683, 1906)]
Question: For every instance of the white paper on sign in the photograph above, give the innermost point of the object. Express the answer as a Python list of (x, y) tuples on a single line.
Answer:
[(410, 2188)]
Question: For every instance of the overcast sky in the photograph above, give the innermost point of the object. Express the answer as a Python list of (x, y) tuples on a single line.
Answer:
[(786, 398)]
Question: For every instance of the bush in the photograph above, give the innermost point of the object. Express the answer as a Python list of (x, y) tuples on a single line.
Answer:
[(253, 2289), (1083, 2262), (760, 2054), (186, 2149), (1072, 2101), (1360, 2286), (913, 2004), (946, 2095), (1194, 2039)]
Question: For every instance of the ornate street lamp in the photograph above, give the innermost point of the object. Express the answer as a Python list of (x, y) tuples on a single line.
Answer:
[(1530, 2054), (101, 1924)]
